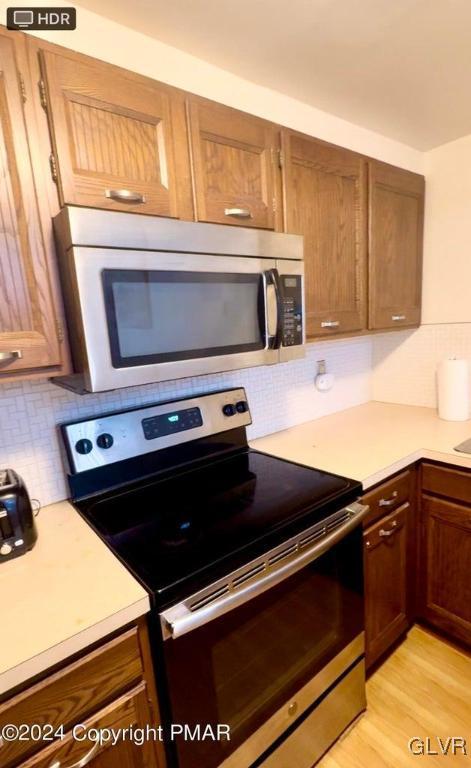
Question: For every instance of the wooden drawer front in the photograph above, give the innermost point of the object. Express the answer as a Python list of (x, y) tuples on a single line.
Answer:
[(447, 482), (387, 497), (73, 693), (131, 710)]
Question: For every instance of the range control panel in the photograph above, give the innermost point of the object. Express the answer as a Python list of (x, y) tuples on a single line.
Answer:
[(102, 440), (292, 333), (171, 423)]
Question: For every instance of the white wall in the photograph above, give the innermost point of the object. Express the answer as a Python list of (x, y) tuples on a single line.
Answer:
[(119, 45), (447, 246), (279, 396)]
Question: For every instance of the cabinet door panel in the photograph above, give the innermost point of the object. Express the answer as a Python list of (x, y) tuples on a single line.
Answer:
[(396, 204), (112, 132), (234, 164), (325, 201), (385, 561), (448, 558), (130, 711), (28, 329)]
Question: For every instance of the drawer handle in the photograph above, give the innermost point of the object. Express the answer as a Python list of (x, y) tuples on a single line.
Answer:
[(239, 213), (389, 502), (397, 318), (385, 533), (125, 196), (85, 760), (15, 354), (330, 324)]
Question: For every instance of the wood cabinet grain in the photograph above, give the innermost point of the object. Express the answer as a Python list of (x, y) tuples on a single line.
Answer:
[(118, 139), (128, 713), (396, 220), (30, 336), (386, 582), (446, 566), (325, 200), (235, 165)]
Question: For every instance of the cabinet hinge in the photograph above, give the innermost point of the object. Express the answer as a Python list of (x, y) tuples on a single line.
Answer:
[(42, 94), (274, 205), (60, 332), (53, 166), (281, 158), (22, 86)]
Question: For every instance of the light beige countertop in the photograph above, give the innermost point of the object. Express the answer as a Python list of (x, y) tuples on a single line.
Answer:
[(371, 441), (66, 593)]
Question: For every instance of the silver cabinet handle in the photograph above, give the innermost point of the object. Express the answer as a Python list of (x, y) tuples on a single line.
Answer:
[(125, 196), (384, 533), (239, 213), (330, 324), (83, 761), (397, 318), (15, 354), (388, 502)]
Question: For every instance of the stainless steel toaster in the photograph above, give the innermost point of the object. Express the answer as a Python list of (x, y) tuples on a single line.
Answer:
[(18, 531)]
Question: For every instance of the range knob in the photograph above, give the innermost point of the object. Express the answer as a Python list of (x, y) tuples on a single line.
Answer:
[(5, 549), (105, 440), (242, 406), (83, 446), (228, 409)]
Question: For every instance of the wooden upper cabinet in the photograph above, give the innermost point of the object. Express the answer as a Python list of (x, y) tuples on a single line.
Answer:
[(235, 165), (29, 336), (325, 200), (396, 220), (119, 139)]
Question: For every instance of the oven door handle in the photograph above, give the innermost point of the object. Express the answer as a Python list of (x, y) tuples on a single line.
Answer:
[(179, 619)]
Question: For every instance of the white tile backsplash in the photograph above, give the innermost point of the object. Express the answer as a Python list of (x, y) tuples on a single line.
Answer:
[(280, 396), (405, 362)]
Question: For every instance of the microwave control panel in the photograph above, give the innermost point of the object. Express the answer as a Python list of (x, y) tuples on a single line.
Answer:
[(292, 322)]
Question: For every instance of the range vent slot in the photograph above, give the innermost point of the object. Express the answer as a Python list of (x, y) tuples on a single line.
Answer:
[(248, 574), (338, 521), (312, 537), (209, 598), (283, 554)]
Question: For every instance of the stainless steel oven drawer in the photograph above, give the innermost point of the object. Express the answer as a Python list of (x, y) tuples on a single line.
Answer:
[(314, 735)]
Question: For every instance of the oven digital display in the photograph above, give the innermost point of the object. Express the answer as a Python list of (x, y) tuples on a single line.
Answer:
[(172, 422)]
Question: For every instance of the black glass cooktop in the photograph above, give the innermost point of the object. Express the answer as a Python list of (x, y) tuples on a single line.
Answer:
[(179, 533)]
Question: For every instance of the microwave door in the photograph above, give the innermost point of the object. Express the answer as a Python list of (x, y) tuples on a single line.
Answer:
[(149, 316)]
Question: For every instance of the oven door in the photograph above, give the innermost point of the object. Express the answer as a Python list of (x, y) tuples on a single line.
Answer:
[(263, 664), (153, 316)]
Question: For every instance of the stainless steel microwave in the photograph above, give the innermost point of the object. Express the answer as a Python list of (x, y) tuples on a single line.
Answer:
[(151, 299)]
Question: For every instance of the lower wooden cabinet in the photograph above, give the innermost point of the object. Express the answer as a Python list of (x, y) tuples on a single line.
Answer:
[(446, 565), (386, 582), (110, 687)]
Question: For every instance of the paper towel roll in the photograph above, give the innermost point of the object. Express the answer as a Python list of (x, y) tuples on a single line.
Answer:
[(453, 390)]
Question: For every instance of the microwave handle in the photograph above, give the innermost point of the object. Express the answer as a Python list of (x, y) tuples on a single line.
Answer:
[(179, 620), (272, 281)]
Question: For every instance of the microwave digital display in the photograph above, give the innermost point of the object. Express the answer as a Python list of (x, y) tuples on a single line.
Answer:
[(170, 423)]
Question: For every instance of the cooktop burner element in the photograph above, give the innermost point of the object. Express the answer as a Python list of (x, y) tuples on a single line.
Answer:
[(199, 502)]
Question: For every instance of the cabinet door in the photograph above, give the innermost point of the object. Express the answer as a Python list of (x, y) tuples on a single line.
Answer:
[(130, 711), (119, 139), (385, 564), (235, 165), (396, 211), (447, 566), (29, 336), (325, 200)]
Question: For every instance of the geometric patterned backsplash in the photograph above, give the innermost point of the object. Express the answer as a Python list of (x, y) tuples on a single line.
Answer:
[(280, 396)]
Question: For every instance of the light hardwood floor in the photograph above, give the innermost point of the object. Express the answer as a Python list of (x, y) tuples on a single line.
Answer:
[(423, 689)]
